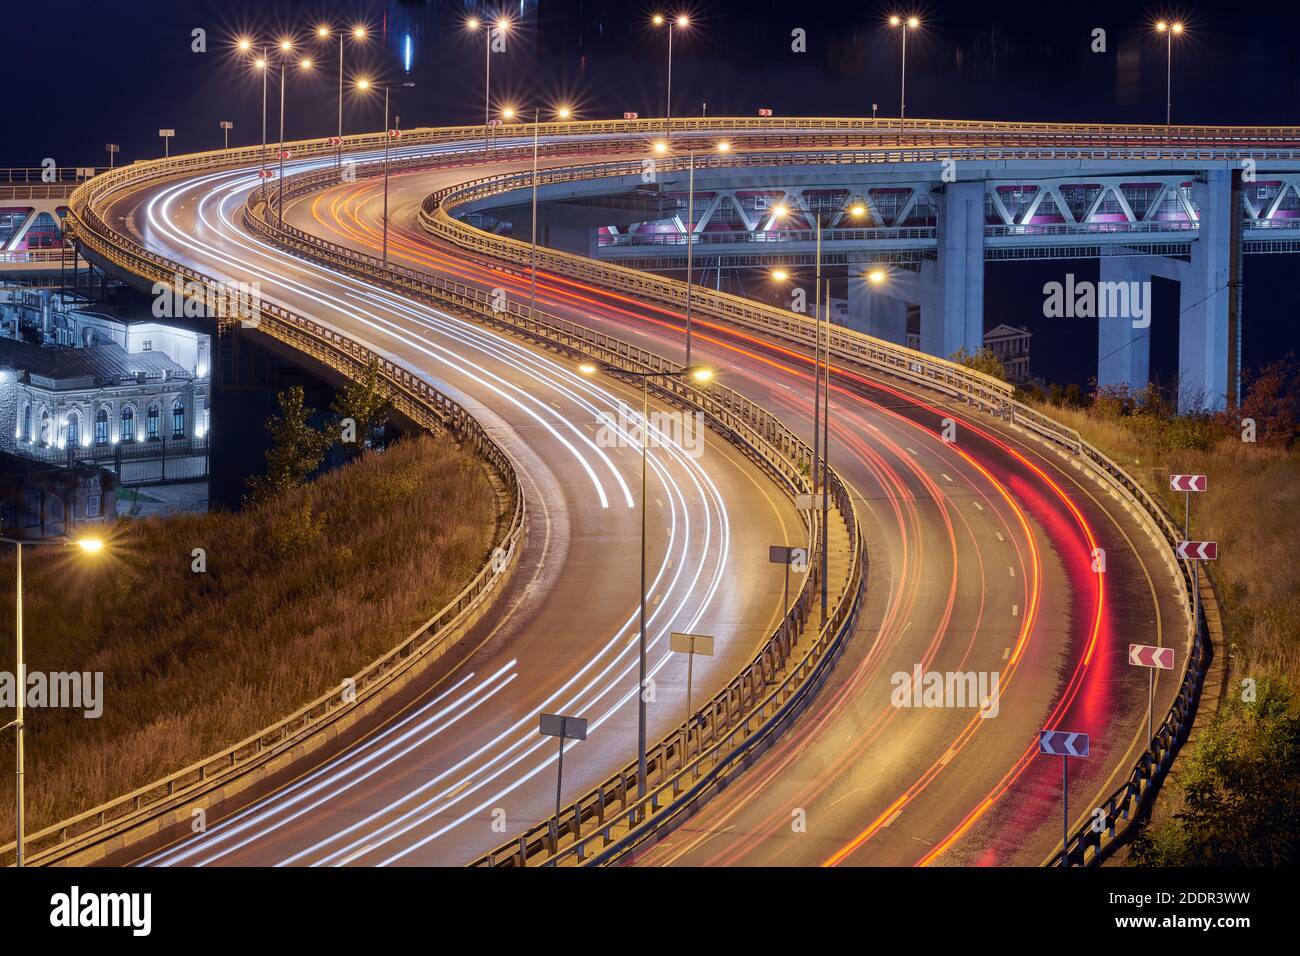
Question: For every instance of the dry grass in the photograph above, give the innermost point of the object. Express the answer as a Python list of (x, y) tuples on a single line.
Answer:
[(1252, 508), (297, 595)]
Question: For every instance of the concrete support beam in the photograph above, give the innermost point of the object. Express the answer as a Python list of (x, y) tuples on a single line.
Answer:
[(1123, 351), (954, 315), (1205, 304)]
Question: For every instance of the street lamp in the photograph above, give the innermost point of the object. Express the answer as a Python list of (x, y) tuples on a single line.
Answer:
[(501, 26), (696, 373), (363, 85), (680, 23), (1170, 30), (89, 546), (357, 33), (563, 113), (662, 147), (904, 24), (821, 409), (304, 64)]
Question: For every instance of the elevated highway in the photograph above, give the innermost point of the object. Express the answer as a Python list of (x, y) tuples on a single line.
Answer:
[(982, 549)]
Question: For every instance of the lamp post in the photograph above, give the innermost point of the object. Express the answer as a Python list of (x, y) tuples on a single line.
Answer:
[(286, 47), (662, 147), (904, 24), (1169, 30), (821, 408), (260, 63), (696, 373), (358, 33), (501, 27), (563, 113), (364, 85), (681, 23), (226, 127), (90, 546)]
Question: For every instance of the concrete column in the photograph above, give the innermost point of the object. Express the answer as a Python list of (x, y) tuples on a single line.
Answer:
[(954, 316), (1123, 350), (1205, 299)]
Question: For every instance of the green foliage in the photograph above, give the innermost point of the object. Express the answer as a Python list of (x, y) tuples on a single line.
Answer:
[(296, 451), (367, 403), (296, 530), (982, 360), (1242, 787)]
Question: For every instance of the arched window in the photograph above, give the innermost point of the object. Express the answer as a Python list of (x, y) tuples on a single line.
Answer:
[(178, 419), (101, 427), (151, 421), (45, 427), (128, 423), (73, 431), (26, 433)]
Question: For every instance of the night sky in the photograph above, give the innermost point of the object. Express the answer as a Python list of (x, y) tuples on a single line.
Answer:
[(80, 74)]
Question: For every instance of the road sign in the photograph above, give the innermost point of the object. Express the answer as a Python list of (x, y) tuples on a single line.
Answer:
[(780, 554), (267, 174), (394, 134), (1062, 743), (165, 133), (226, 124), (1187, 482), (336, 141), (806, 502), (1199, 550), (691, 644), (113, 147), (558, 725), (631, 116), (764, 112), (1147, 655)]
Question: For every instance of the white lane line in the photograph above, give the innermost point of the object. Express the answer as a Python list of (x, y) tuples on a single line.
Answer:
[(999, 534), (1015, 610), (979, 506), (945, 477), (1011, 570), (1006, 653)]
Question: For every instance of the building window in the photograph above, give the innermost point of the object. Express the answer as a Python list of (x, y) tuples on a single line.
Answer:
[(128, 423), (151, 422), (73, 431), (45, 427), (26, 433), (178, 419), (92, 506), (101, 427), (147, 346)]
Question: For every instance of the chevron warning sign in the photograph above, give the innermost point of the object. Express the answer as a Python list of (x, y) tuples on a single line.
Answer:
[(1062, 743), (1186, 482), (1146, 655), (1198, 550)]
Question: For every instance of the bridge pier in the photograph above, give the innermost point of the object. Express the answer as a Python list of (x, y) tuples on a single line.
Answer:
[(1123, 350), (1209, 305), (954, 315)]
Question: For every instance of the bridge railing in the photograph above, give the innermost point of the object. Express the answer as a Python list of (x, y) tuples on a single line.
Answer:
[(762, 699), (164, 802), (1098, 835)]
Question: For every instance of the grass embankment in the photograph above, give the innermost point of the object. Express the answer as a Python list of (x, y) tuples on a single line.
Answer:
[(298, 594), (1236, 796)]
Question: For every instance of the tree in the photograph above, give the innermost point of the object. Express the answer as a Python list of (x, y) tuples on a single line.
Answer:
[(1272, 402), (982, 360), (296, 449), (363, 408)]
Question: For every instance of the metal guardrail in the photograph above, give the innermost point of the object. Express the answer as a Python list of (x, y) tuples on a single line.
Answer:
[(989, 395), (420, 402), (746, 714)]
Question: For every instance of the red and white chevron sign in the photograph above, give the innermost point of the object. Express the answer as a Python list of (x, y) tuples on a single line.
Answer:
[(1186, 482), (1147, 655), (1062, 743), (1198, 550)]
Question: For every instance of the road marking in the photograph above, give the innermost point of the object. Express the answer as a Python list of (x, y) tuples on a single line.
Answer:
[(912, 450), (892, 817), (1011, 570), (999, 534), (979, 506), (1006, 653), (952, 752), (945, 477), (1015, 610)]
